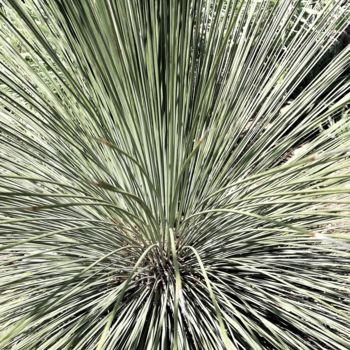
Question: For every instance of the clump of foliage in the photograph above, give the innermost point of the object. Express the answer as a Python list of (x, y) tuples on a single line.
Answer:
[(148, 195)]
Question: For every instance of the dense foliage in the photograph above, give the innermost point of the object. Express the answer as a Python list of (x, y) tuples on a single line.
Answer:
[(162, 184)]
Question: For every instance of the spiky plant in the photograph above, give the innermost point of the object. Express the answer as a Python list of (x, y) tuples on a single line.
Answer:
[(160, 189)]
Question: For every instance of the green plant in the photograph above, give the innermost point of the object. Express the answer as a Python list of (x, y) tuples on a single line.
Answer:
[(147, 199)]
